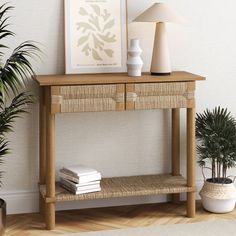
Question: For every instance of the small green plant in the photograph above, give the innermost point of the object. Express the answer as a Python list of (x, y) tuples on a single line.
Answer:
[(216, 132), (13, 73)]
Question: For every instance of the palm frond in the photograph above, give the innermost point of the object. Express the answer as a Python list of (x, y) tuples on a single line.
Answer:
[(18, 67), (17, 107), (216, 132), (14, 72), (4, 32)]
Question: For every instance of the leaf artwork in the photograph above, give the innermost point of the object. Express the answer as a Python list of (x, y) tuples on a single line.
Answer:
[(83, 12), (85, 27), (95, 22), (96, 32), (109, 24), (106, 15), (98, 43), (109, 52), (96, 55), (83, 40), (107, 38), (86, 49), (96, 9)]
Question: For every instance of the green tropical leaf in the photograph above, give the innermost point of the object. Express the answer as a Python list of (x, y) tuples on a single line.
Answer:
[(14, 72), (216, 132)]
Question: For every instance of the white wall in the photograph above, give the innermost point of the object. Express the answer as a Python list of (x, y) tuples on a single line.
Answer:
[(119, 143)]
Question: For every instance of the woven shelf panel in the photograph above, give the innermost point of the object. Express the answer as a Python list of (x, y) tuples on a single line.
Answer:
[(162, 95), (127, 187), (88, 98)]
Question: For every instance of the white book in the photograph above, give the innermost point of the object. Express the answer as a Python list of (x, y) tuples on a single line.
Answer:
[(80, 179), (72, 185), (80, 191), (79, 170)]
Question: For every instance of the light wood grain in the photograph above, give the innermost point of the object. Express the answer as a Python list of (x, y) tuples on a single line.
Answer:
[(119, 78), (173, 91), (191, 160), (109, 218), (175, 137), (50, 163), (42, 145)]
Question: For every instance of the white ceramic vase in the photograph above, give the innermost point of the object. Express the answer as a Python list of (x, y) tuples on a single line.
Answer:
[(134, 62)]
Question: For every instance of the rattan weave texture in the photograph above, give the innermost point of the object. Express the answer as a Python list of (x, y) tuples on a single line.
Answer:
[(127, 187)]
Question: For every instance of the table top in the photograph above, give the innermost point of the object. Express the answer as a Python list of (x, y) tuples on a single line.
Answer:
[(113, 78)]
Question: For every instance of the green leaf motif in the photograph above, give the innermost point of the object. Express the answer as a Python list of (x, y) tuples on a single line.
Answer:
[(84, 26), (96, 9), (97, 43), (109, 52), (96, 31), (106, 15), (107, 38), (95, 21), (86, 49), (96, 55), (109, 25), (83, 12), (83, 40)]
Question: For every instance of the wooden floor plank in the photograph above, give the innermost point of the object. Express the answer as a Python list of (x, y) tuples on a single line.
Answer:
[(109, 218)]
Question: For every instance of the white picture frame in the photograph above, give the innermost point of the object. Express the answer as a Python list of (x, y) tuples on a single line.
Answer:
[(95, 36)]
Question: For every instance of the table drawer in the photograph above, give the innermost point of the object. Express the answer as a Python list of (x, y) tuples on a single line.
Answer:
[(145, 96), (84, 98)]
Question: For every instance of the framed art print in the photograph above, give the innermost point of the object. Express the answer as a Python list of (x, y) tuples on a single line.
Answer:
[(95, 36)]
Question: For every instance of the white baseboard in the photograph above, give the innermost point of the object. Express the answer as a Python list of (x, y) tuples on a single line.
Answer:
[(27, 201), (21, 201)]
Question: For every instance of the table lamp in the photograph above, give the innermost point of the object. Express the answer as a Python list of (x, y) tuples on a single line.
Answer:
[(160, 13)]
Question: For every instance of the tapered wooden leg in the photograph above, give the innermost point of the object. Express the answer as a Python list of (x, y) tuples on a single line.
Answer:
[(191, 161), (175, 147), (42, 145), (50, 165)]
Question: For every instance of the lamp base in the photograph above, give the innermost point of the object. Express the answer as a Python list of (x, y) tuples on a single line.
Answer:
[(160, 74), (160, 58)]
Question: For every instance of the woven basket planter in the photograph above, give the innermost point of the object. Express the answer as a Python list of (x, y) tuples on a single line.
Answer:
[(218, 198)]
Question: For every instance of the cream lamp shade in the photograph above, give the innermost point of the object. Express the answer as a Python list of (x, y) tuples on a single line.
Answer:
[(160, 13)]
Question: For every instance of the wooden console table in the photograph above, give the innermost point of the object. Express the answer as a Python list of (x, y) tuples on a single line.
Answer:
[(117, 92)]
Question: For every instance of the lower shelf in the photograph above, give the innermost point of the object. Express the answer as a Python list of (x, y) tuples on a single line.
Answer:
[(126, 187)]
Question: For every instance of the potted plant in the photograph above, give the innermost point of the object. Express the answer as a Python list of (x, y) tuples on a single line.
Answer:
[(13, 73), (216, 132)]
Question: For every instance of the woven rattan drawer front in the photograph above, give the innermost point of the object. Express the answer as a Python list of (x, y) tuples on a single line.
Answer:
[(145, 96), (84, 98)]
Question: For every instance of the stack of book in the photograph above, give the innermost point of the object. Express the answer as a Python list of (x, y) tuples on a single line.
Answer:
[(80, 179)]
